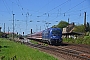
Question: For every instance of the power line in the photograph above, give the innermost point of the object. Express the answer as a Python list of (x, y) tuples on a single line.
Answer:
[(53, 9), (75, 6), (6, 5), (56, 7), (64, 13), (59, 5), (45, 5), (21, 8)]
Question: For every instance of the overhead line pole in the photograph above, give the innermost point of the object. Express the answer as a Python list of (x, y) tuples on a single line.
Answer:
[(8, 30), (85, 21), (4, 27), (13, 26)]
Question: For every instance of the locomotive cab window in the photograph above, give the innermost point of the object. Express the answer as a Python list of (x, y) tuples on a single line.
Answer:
[(56, 32)]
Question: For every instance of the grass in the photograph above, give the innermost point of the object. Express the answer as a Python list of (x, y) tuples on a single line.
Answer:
[(35, 42), (11, 50)]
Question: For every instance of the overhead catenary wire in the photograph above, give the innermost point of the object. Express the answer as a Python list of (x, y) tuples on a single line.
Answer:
[(64, 13), (75, 6), (49, 10), (55, 7), (51, 13), (44, 5), (19, 6), (7, 7), (71, 9)]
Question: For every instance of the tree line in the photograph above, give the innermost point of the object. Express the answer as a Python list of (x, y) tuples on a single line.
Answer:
[(78, 28)]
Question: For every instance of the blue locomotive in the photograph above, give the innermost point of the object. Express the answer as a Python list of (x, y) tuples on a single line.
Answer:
[(52, 35)]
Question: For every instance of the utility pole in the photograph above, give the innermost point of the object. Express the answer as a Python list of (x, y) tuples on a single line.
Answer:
[(8, 30), (68, 20), (0, 29), (13, 26), (4, 27), (85, 21), (27, 15), (40, 28)]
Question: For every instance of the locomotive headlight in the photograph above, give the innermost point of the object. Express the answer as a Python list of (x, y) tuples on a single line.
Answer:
[(51, 37)]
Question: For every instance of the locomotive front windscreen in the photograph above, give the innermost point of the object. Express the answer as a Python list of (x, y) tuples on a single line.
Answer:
[(56, 32)]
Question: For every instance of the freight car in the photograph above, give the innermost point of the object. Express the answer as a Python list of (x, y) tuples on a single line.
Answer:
[(50, 35)]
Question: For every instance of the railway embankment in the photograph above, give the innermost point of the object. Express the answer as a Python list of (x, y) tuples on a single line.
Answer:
[(71, 51), (65, 51)]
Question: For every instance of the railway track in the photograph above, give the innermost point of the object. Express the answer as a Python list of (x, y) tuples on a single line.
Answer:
[(62, 50), (77, 53)]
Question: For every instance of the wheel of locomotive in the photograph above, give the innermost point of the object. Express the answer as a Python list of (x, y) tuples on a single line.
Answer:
[(49, 42)]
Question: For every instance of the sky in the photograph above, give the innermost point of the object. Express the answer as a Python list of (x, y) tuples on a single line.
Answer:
[(34, 14)]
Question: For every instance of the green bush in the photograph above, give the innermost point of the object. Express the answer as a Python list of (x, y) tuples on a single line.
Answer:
[(80, 40)]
